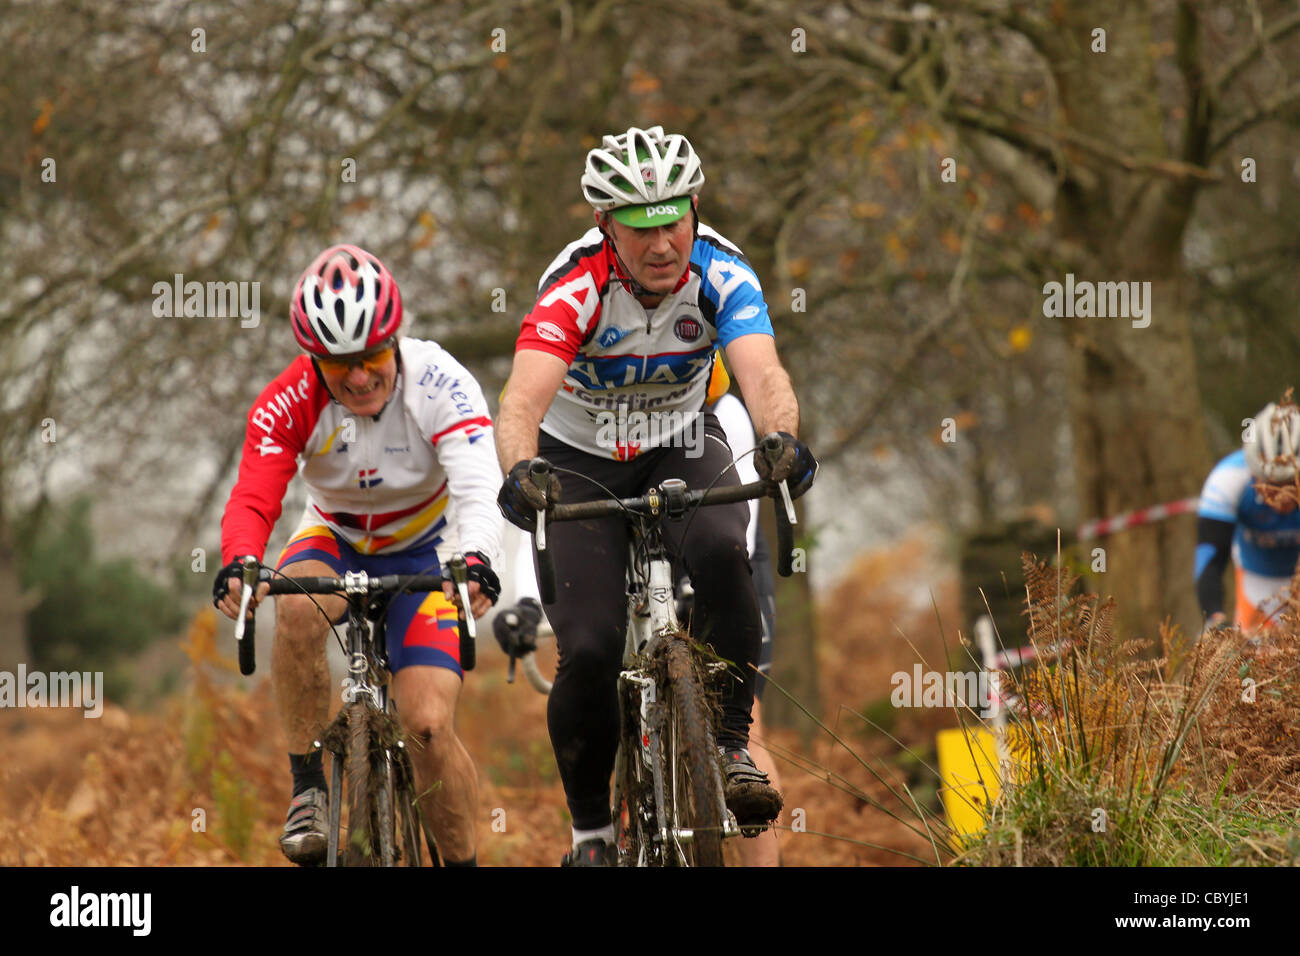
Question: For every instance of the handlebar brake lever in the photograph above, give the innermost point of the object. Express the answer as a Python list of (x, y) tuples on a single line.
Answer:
[(460, 576), (789, 504), (772, 446), (252, 569), (539, 468)]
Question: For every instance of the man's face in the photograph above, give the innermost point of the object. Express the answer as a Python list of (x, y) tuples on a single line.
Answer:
[(363, 381), (655, 257)]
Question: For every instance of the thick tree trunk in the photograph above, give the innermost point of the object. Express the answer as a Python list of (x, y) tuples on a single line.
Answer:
[(1135, 408), (1139, 441)]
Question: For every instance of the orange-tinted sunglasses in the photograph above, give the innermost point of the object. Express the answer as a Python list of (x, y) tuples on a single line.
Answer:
[(371, 361)]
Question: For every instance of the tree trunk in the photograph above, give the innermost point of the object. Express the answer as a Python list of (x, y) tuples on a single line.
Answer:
[(14, 647), (794, 655), (1135, 407)]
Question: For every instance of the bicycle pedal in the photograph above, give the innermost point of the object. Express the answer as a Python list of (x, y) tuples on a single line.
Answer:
[(730, 828)]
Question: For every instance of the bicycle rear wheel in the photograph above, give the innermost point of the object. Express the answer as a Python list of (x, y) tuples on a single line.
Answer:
[(693, 783)]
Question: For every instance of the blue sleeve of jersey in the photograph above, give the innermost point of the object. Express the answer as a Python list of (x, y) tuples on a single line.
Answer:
[(1205, 553), (730, 284), (1223, 488)]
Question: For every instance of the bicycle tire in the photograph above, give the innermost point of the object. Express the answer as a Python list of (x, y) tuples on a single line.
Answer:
[(361, 816), (385, 806), (693, 781)]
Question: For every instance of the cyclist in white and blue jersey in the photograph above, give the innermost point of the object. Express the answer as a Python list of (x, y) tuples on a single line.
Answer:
[(1260, 531)]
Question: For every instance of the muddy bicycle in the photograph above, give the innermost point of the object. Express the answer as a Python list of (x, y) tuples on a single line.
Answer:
[(370, 758), (668, 802)]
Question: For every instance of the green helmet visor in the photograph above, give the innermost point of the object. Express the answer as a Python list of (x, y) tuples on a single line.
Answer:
[(653, 214)]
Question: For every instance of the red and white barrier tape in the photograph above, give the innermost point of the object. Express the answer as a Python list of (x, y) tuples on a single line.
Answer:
[(1130, 519), (1013, 657)]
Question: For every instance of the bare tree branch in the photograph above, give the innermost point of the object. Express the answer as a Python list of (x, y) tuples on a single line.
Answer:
[(1247, 55), (1280, 103)]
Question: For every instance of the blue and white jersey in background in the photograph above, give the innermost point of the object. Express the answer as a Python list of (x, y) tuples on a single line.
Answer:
[(1265, 543)]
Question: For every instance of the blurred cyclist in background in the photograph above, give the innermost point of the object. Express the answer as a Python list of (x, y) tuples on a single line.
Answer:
[(1248, 513)]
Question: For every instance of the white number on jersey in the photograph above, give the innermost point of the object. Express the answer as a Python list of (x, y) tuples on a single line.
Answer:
[(569, 292), (718, 274)]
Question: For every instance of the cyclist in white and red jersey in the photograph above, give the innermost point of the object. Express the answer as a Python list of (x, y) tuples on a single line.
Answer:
[(623, 331), (516, 627), (394, 441)]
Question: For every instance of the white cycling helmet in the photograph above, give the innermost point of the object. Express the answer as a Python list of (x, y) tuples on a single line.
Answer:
[(642, 177), (1272, 454)]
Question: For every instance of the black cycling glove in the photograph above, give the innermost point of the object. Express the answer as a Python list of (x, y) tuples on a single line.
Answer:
[(480, 570), (520, 497), (515, 628), (796, 464), (221, 586)]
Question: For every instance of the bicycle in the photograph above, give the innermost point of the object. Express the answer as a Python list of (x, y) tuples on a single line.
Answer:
[(668, 807), (365, 738)]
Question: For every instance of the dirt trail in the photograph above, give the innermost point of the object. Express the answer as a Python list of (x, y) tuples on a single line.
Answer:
[(203, 779)]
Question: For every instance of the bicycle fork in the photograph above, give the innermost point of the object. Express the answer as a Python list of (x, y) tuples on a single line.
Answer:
[(650, 753)]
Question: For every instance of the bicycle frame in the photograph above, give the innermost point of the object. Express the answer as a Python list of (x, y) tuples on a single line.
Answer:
[(652, 626), (364, 647), (367, 682)]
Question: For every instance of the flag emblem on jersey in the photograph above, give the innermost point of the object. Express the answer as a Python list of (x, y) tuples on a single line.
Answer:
[(627, 450), (473, 429), (368, 478)]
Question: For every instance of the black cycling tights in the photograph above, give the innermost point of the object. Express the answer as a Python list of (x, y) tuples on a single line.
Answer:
[(590, 612)]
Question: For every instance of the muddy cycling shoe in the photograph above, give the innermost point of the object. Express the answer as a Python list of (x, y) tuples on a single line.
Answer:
[(305, 837), (595, 852), (750, 795)]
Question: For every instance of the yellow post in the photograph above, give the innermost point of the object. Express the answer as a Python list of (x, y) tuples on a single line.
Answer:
[(969, 770)]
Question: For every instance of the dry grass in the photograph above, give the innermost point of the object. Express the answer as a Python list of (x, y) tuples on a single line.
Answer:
[(1122, 763), (122, 790)]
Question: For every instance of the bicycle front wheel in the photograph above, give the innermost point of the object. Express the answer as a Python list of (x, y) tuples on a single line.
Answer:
[(693, 788), (362, 825)]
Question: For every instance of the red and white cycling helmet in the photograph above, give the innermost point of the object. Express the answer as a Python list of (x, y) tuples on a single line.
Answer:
[(1272, 454), (345, 302)]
